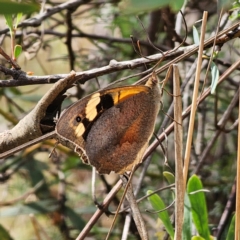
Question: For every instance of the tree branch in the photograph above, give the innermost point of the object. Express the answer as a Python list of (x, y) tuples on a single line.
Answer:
[(114, 66), (30, 127)]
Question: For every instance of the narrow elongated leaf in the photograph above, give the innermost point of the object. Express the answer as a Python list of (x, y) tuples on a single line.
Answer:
[(158, 204), (75, 218), (18, 20), (4, 235), (17, 51), (39, 207), (198, 206), (195, 35), (9, 22), (187, 223), (231, 230), (215, 77), (169, 176)]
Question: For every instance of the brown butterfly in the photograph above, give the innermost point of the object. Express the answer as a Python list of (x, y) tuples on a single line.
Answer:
[(111, 129)]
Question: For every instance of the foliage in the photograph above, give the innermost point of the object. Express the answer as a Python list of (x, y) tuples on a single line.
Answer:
[(11, 7), (44, 198), (195, 212)]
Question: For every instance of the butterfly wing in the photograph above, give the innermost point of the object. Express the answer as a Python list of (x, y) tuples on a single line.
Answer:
[(79, 117), (111, 128)]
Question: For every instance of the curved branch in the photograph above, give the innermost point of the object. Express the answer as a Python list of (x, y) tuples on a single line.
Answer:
[(30, 127)]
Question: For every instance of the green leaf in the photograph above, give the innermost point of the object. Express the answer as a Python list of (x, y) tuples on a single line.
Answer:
[(72, 162), (176, 5), (9, 21), (4, 235), (35, 171), (136, 6), (226, 4), (200, 238), (38, 207), (169, 176), (196, 38), (215, 77), (75, 218), (187, 223), (10, 7), (198, 206), (18, 20), (231, 230), (197, 238), (158, 204), (17, 51), (12, 92)]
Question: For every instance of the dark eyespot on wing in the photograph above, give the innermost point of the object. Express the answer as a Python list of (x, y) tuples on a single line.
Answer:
[(78, 119)]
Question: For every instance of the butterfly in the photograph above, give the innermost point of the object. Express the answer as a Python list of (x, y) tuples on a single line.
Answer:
[(111, 128)]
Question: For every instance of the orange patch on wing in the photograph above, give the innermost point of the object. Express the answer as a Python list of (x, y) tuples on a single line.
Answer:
[(132, 133), (122, 95)]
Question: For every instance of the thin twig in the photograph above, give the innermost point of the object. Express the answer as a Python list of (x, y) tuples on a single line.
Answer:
[(99, 212), (221, 126), (136, 212), (194, 100)]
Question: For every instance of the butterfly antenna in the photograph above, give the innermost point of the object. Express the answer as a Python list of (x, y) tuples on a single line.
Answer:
[(149, 40), (158, 49), (134, 48), (139, 51)]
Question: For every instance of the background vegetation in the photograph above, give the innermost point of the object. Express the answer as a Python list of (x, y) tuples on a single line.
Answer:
[(43, 198)]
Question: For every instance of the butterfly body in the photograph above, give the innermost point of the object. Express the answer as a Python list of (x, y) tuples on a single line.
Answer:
[(111, 129)]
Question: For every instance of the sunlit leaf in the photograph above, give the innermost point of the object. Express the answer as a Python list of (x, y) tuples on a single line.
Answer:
[(169, 176), (198, 206), (17, 51), (197, 238), (18, 19), (9, 22), (158, 204)]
